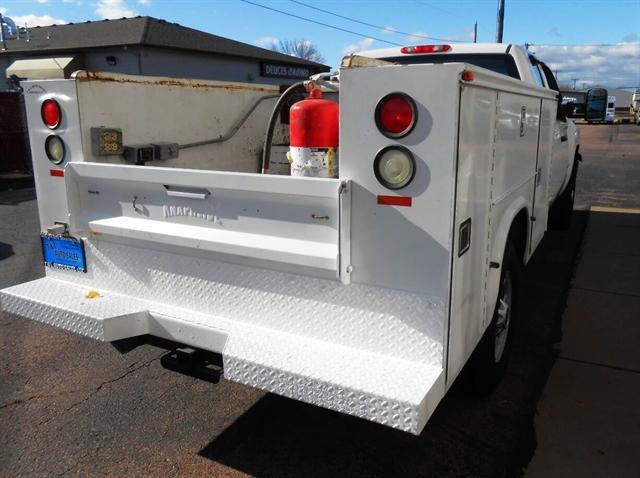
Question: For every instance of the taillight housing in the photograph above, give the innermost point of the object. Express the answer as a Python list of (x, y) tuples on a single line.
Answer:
[(51, 113), (394, 167), (417, 49), (396, 115), (55, 149)]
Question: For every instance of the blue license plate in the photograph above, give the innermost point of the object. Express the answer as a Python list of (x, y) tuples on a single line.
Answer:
[(63, 252)]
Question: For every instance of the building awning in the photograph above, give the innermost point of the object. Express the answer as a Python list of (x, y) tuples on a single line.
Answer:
[(44, 68)]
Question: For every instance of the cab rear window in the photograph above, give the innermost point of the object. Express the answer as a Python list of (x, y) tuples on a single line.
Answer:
[(499, 62)]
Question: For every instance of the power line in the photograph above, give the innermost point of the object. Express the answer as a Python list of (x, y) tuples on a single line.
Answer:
[(320, 23), (390, 30), (584, 44), (435, 7)]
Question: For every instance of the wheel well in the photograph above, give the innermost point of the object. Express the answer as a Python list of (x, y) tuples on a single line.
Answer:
[(518, 232)]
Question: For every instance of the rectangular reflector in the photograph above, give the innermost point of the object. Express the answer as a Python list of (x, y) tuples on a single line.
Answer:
[(59, 173), (395, 200)]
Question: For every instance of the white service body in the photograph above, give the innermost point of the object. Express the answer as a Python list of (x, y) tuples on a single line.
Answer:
[(308, 287)]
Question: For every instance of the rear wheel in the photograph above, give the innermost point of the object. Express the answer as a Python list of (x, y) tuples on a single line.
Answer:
[(562, 210), (489, 360)]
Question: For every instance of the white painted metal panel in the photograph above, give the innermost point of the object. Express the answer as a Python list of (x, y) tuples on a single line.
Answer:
[(473, 204), (51, 192), (153, 109), (405, 248), (540, 209), (515, 157), (259, 246), (278, 219)]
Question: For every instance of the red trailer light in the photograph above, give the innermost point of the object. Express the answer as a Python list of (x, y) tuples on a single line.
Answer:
[(412, 50), (395, 115), (51, 114), (467, 75)]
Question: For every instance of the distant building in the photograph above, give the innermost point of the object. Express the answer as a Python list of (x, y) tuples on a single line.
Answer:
[(147, 46), (623, 98), (137, 46)]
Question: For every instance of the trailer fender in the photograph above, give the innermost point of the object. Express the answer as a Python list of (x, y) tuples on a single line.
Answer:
[(514, 223)]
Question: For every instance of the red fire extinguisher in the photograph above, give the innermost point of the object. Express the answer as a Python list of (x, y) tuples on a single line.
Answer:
[(313, 130)]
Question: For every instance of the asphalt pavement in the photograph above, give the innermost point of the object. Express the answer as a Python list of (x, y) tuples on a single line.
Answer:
[(588, 421), (73, 406)]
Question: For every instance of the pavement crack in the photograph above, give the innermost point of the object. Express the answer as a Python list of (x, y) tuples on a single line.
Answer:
[(604, 291), (75, 465), (99, 387), (20, 401), (598, 364), (114, 380)]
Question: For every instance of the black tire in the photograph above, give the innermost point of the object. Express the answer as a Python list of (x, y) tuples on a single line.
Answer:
[(488, 362), (562, 209)]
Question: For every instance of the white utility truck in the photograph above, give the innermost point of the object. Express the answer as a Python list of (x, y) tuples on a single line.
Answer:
[(362, 284)]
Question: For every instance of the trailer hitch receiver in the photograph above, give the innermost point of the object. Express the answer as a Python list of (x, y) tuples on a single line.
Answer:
[(195, 363)]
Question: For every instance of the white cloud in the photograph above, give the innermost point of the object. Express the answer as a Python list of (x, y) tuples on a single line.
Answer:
[(42, 1), (114, 9), (32, 20), (3, 11), (388, 30), (361, 45), (416, 37), (145, 3), (631, 37), (266, 42), (617, 65)]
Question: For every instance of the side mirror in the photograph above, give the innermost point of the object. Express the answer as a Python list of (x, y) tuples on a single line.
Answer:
[(595, 108)]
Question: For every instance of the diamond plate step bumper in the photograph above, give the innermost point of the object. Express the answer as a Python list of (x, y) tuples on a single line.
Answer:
[(383, 388)]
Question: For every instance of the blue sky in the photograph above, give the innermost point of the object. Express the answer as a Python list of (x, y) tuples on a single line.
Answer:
[(542, 22)]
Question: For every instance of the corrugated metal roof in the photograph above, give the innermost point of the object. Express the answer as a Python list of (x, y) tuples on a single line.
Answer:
[(142, 31)]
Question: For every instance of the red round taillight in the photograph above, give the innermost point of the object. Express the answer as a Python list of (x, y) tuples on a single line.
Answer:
[(51, 114), (396, 115)]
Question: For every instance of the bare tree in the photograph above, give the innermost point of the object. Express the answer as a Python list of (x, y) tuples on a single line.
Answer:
[(300, 48)]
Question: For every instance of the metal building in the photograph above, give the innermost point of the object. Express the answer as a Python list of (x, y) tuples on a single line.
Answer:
[(148, 46), (138, 46)]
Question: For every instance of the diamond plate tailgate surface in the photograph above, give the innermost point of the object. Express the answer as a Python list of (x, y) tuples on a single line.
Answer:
[(366, 351)]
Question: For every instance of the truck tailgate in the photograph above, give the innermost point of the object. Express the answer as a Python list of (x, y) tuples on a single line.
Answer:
[(274, 221)]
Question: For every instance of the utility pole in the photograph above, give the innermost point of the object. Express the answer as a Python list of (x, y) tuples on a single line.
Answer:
[(500, 26), (2, 39), (475, 33), (574, 82)]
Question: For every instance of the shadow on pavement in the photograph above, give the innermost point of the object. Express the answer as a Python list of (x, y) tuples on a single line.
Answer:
[(15, 197), (466, 436), (6, 250)]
